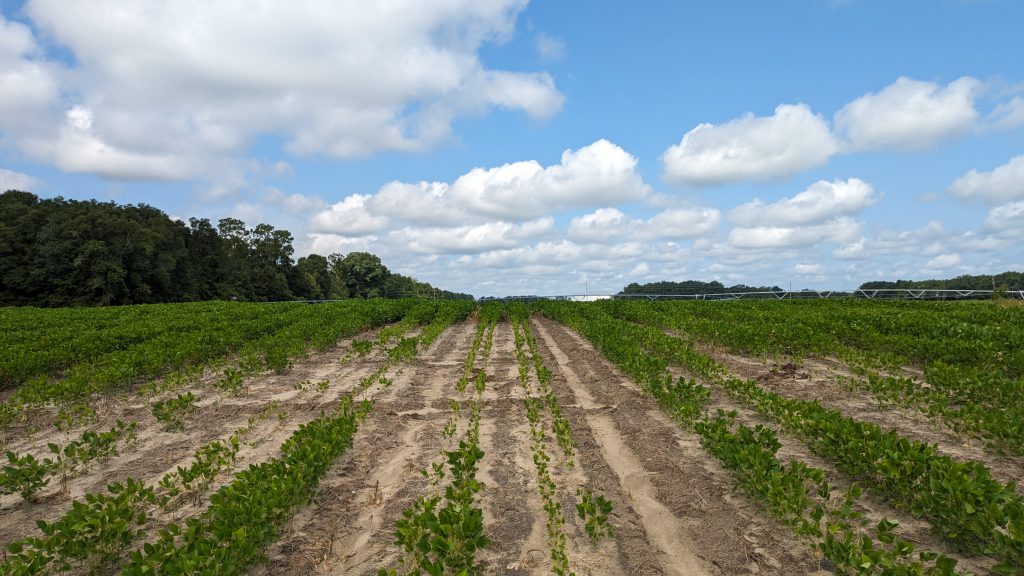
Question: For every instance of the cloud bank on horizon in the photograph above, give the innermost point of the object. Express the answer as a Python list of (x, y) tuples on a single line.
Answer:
[(534, 178)]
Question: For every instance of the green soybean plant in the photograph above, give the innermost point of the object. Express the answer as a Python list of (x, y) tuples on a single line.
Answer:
[(24, 475), (88, 538), (76, 456), (172, 412), (594, 511)]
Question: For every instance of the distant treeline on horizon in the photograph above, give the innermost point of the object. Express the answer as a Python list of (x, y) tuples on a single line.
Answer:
[(57, 252), (1004, 281), (693, 287)]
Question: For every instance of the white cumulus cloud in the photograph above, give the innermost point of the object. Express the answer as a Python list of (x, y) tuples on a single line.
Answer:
[(295, 204), (599, 174), (839, 230), (909, 115), (29, 85), (77, 148), (888, 242), (546, 253), (1008, 115), (341, 78), (474, 239), (808, 269), (599, 226), (822, 201), (348, 218), (11, 180), (944, 261), (1006, 220), (751, 148), (1004, 183), (607, 225), (681, 223)]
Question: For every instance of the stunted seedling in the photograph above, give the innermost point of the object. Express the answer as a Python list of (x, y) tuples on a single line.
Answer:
[(594, 511), (173, 412)]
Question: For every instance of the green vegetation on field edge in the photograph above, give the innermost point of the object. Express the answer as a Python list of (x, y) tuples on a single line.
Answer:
[(61, 252), (242, 518), (989, 516)]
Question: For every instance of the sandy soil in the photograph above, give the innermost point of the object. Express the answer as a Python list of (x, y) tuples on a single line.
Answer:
[(157, 451), (349, 529), (688, 518), (349, 526), (674, 509)]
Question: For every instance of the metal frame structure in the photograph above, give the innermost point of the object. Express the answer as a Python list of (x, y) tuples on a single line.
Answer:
[(869, 294), (858, 294)]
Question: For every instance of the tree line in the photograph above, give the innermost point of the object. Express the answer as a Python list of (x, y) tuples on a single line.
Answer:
[(1006, 281), (689, 287), (58, 252), (999, 282)]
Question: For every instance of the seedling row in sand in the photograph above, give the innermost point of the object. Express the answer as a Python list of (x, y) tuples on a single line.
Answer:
[(412, 437)]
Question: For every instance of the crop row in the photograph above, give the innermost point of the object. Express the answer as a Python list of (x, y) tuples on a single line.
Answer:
[(437, 317), (246, 514), (964, 504), (242, 518), (972, 354), (977, 334), (968, 401), (593, 509), (96, 531), (541, 461), (559, 423), (440, 534), (750, 452), (799, 496), (59, 338), (26, 474), (269, 340)]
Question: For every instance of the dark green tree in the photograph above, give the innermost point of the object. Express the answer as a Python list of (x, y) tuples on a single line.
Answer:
[(311, 278), (270, 253), (57, 252), (363, 275)]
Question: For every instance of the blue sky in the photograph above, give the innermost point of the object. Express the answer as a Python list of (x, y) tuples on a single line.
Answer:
[(504, 147)]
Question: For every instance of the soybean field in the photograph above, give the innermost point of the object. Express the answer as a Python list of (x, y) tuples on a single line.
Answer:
[(402, 437)]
